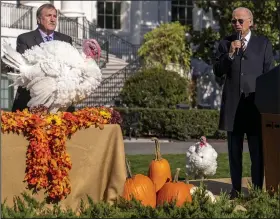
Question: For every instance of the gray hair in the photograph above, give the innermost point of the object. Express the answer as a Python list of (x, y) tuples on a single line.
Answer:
[(42, 7), (247, 10)]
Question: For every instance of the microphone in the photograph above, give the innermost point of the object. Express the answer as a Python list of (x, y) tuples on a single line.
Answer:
[(238, 38)]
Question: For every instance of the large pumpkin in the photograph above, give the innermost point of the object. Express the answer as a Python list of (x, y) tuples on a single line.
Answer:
[(171, 191), (159, 169), (140, 187)]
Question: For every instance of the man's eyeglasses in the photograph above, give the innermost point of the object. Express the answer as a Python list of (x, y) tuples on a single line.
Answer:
[(240, 21)]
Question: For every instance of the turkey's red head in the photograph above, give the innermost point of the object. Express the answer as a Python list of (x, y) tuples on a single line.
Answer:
[(202, 141), (92, 49)]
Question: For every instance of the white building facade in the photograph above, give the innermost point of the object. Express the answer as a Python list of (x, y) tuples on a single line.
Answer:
[(121, 24), (129, 19)]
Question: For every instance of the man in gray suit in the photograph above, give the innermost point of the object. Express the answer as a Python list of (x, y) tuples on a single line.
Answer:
[(241, 61), (47, 21)]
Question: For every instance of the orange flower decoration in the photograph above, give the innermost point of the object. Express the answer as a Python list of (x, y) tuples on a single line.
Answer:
[(47, 162)]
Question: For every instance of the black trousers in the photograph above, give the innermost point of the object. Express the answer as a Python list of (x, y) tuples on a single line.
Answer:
[(247, 121)]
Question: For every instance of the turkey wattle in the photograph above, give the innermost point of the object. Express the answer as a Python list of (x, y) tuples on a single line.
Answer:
[(56, 73), (201, 160)]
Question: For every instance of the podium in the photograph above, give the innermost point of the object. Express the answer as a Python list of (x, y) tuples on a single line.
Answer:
[(267, 100)]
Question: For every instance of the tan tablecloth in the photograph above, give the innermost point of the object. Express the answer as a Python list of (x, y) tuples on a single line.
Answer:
[(98, 165)]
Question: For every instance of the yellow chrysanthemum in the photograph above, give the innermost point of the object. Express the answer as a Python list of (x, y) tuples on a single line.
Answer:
[(105, 115)]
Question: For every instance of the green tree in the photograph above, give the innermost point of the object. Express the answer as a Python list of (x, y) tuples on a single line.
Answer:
[(166, 44), (205, 43), (266, 21)]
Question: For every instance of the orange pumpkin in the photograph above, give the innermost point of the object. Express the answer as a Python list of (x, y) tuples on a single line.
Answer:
[(175, 190), (140, 187), (159, 169)]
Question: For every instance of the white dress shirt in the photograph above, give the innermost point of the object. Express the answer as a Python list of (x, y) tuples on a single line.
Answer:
[(247, 38)]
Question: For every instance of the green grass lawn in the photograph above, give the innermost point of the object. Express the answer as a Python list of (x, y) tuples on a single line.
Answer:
[(140, 164)]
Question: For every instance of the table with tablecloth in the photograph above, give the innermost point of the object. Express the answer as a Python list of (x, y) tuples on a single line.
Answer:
[(98, 165)]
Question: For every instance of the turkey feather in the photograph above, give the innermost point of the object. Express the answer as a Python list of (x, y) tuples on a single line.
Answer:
[(12, 54), (9, 63), (56, 73)]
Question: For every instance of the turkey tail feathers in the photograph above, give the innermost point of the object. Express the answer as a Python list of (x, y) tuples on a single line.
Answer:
[(11, 57), (11, 64)]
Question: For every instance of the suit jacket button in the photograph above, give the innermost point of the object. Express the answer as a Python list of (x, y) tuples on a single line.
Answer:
[(243, 58), (242, 74)]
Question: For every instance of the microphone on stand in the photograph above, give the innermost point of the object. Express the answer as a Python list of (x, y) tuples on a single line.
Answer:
[(238, 38)]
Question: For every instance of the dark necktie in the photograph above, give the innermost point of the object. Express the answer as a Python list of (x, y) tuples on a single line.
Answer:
[(243, 45), (48, 38)]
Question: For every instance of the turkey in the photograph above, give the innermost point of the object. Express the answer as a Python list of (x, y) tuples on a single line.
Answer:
[(56, 73), (201, 160)]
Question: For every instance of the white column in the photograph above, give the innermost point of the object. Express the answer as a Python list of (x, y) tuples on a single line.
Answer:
[(94, 11), (197, 14), (57, 4), (87, 8), (72, 8), (135, 28), (36, 4)]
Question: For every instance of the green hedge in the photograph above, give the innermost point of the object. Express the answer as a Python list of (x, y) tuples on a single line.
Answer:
[(174, 123)]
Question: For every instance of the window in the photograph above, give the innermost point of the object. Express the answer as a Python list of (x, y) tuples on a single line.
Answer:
[(182, 11), (109, 14), (6, 92)]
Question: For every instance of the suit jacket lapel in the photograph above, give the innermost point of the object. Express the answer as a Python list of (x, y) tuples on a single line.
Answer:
[(250, 44), (56, 36), (37, 37)]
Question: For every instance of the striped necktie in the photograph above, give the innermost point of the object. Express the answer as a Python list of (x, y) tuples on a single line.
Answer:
[(243, 45)]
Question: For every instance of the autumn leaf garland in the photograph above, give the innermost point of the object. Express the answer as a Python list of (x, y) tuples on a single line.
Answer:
[(47, 162)]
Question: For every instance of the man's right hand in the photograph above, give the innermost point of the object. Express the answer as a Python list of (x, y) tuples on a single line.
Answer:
[(233, 46)]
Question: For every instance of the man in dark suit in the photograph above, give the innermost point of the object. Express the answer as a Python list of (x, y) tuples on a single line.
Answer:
[(241, 62), (47, 21)]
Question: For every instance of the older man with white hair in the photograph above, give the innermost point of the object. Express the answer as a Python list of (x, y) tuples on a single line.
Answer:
[(241, 58)]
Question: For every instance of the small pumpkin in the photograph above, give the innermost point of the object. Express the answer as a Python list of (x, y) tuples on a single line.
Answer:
[(159, 168), (171, 191), (140, 187)]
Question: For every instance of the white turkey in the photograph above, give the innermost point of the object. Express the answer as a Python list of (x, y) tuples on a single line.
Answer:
[(55, 72), (201, 160)]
